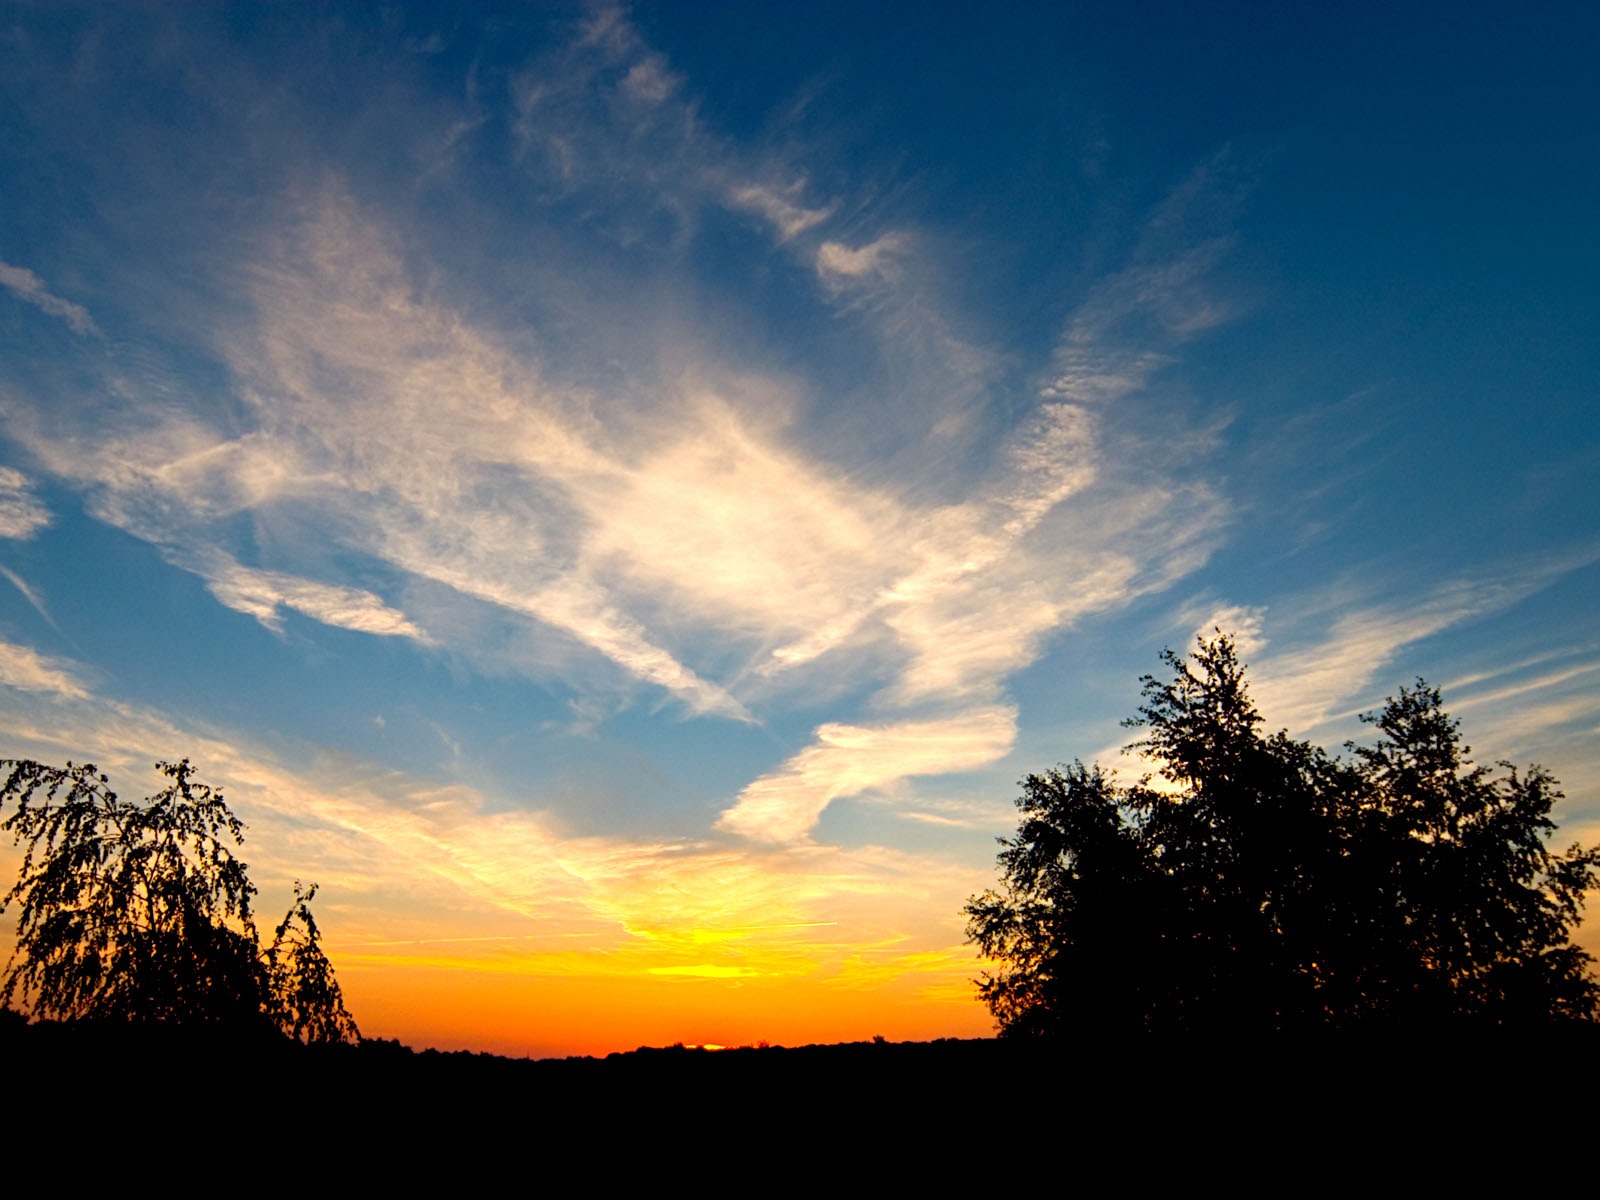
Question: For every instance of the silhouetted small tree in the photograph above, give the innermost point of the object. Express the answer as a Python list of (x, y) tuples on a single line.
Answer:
[(142, 912), (1263, 886), (307, 1002)]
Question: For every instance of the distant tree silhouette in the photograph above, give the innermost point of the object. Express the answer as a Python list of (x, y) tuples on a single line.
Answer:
[(1260, 885), (142, 912), (306, 1001)]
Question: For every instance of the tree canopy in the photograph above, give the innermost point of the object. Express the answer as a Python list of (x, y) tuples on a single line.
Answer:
[(142, 913), (1256, 884)]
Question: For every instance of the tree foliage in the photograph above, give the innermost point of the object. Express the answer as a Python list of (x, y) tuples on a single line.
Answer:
[(1255, 884), (307, 1002), (142, 912)]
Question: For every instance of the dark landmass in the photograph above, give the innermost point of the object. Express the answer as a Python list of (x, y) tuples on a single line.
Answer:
[(1395, 1080), (105, 1105)]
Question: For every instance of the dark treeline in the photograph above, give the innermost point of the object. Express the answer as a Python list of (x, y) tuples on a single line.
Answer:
[(1151, 1108), (379, 1067)]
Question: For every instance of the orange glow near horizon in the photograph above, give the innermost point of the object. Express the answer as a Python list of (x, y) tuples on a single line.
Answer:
[(519, 946), (544, 1015), (628, 946)]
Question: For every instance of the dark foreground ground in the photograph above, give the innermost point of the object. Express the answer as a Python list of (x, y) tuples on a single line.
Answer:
[(1416, 1108)]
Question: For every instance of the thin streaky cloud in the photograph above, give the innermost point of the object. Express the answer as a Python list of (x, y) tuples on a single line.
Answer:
[(928, 818), (1541, 683), (979, 602), (1461, 683), (22, 514), (847, 760), (25, 669), (30, 289), (1302, 689), (1242, 623), (31, 596), (718, 520), (650, 80), (265, 594), (839, 264), (788, 217), (1519, 725), (352, 376)]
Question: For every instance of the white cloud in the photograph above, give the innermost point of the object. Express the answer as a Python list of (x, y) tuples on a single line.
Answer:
[(737, 525), (419, 443), (650, 80), (29, 288), (21, 513), (696, 527), (1307, 686), (838, 263), (1126, 328), (1243, 624), (847, 760), (384, 424), (1089, 375), (586, 613), (1054, 459), (27, 670), (1304, 683), (1522, 685), (30, 595), (263, 594), (788, 217), (607, 117)]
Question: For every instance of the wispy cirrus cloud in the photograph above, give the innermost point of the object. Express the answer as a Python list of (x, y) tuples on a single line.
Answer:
[(1304, 684), (1521, 713), (25, 669), (21, 513), (1303, 687), (1060, 528), (31, 595), (847, 760), (692, 525), (421, 443), (839, 264), (1243, 624), (1314, 678), (604, 115), (788, 217), (264, 594), (30, 289)]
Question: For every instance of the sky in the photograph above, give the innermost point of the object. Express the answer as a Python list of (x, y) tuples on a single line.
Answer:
[(619, 495)]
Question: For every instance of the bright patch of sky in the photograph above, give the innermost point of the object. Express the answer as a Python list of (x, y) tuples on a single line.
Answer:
[(656, 476)]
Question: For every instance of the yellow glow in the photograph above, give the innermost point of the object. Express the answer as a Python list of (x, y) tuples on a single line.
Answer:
[(544, 1016), (707, 971)]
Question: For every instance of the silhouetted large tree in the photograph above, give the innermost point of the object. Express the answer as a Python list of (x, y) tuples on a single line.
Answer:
[(141, 912), (1258, 885)]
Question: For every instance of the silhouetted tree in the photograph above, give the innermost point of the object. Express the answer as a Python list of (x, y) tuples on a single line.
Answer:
[(1259, 885), (142, 912), (307, 1002)]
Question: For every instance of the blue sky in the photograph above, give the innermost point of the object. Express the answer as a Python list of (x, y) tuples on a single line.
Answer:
[(624, 492)]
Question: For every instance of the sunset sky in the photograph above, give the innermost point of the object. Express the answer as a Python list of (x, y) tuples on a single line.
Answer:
[(619, 495)]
